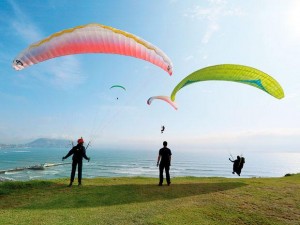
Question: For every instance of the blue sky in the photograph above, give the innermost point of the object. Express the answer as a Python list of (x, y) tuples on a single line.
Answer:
[(69, 96)]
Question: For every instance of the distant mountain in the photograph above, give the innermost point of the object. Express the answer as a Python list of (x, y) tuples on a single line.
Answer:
[(48, 142)]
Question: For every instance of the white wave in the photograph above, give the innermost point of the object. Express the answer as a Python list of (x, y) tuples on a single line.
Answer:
[(34, 177), (21, 151), (6, 179)]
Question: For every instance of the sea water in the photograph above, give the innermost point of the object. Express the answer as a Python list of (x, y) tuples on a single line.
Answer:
[(129, 163)]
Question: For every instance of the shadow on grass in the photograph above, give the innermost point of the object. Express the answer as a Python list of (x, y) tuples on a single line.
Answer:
[(57, 196)]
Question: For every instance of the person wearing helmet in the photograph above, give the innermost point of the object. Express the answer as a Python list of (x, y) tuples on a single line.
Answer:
[(78, 153), (164, 163)]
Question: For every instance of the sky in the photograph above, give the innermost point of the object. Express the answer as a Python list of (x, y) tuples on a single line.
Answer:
[(70, 96)]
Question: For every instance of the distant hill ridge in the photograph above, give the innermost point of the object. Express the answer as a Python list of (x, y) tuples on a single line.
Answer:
[(49, 142), (41, 143)]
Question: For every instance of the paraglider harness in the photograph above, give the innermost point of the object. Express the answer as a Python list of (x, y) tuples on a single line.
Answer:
[(19, 62), (241, 162), (85, 147)]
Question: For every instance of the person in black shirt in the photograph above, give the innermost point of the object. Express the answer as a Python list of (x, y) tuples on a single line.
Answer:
[(164, 163), (78, 153)]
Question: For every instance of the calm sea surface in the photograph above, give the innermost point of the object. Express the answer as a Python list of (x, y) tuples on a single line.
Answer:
[(116, 163)]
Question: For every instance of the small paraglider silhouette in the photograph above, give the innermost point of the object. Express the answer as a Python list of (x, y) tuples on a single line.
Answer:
[(118, 86), (162, 129), (238, 165)]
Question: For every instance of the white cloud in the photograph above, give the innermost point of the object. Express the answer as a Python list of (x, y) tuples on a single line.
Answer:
[(212, 28), (23, 25), (244, 142), (263, 140), (13, 98), (173, 1), (66, 71), (293, 95), (292, 92), (4, 58), (189, 58), (216, 10), (292, 18)]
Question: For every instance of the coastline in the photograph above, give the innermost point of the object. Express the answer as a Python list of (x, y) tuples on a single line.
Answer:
[(132, 163), (4, 179)]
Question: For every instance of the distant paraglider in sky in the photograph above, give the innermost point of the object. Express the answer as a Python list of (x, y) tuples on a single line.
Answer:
[(92, 38), (162, 129), (164, 98), (118, 86), (235, 73)]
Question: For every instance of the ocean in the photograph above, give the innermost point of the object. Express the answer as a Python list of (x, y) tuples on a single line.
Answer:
[(130, 163)]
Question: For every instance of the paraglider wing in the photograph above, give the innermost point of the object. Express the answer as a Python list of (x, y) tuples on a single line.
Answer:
[(118, 86), (164, 98), (92, 38), (236, 73)]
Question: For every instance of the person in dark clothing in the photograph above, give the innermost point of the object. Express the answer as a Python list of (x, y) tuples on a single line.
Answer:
[(238, 165), (164, 163), (78, 153), (235, 164)]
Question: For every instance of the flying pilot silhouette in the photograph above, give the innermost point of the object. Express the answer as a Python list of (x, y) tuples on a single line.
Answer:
[(162, 129), (238, 165)]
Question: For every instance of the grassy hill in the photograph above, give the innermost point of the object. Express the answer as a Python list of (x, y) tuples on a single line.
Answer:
[(139, 200)]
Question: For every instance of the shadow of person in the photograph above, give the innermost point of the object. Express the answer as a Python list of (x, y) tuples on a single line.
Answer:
[(108, 195)]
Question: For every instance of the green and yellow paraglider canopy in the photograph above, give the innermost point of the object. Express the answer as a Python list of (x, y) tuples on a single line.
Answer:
[(235, 73)]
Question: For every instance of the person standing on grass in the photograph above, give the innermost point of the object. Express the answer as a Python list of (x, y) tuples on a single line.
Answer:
[(164, 163), (78, 153)]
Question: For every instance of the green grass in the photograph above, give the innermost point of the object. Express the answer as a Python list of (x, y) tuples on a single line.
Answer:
[(139, 200)]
